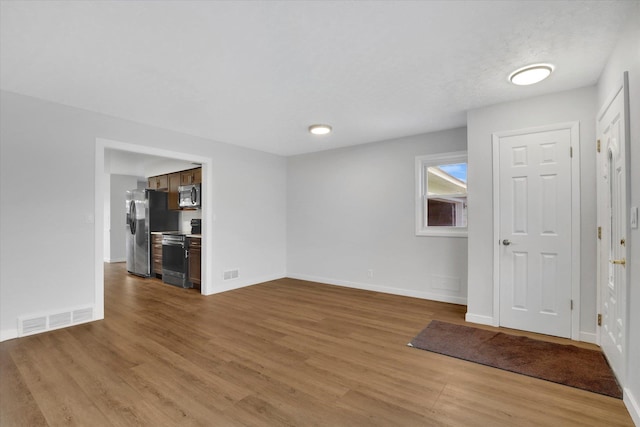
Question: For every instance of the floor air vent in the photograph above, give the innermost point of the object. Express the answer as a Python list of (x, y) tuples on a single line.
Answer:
[(83, 315), (230, 274), (29, 325), (59, 320), (33, 325)]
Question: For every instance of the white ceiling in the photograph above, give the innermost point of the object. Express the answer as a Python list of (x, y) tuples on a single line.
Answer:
[(258, 73)]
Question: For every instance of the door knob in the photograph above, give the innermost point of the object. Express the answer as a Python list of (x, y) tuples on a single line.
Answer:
[(622, 261), (506, 242)]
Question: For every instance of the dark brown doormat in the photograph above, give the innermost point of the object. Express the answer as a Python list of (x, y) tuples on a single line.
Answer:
[(562, 364)]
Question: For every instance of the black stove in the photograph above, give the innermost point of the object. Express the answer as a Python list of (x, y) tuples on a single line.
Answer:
[(174, 259)]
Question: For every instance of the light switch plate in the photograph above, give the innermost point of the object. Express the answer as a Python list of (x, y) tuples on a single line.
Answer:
[(634, 217)]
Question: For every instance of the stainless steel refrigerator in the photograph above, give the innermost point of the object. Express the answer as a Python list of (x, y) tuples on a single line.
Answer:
[(146, 212)]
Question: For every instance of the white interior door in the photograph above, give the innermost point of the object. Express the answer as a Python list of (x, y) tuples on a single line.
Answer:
[(613, 222), (535, 231)]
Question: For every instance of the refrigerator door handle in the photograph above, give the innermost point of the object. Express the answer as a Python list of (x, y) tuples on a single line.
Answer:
[(132, 217), (129, 219)]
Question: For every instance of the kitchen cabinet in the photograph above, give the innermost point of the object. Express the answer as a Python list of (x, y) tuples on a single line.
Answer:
[(173, 197), (195, 246), (156, 255), (160, 183), (169, 183), (151, 183), (191, 176)]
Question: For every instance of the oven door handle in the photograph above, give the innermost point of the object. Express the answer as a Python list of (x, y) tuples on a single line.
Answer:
[(173, 244)]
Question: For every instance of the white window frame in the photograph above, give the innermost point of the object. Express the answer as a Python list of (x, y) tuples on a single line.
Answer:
[(422, 163)]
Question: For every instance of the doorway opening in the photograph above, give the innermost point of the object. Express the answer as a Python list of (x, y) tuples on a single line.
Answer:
[(102, 145)]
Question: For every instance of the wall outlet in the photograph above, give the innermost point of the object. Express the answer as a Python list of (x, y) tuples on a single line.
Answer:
[(370, 274)]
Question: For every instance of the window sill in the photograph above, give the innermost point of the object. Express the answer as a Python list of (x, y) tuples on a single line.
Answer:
[(442, 232)]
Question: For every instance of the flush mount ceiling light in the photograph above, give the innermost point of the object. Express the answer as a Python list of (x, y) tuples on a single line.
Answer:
[(320, 129), (530, 74)]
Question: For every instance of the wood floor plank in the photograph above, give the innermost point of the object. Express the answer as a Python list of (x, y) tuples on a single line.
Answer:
[(101, 383), (285, 352), (59, 397), (17, 404)]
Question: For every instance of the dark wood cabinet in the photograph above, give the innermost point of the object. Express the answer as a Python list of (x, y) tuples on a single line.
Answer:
[(160, 183), (173, 201), (195, 246), (170, 182), (191, 176), (156, 255)]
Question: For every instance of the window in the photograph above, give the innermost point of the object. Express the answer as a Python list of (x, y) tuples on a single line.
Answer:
[(441, 195)]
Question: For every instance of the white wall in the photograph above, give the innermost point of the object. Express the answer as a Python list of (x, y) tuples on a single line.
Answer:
[(106, 200), (49, 265), (626, 57), (351, 210), (575, 105)]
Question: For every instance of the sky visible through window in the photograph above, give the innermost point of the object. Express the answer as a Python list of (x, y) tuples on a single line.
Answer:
[(457, 170)]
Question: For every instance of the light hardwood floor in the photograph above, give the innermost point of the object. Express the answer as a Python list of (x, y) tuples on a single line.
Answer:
[(286, 352)]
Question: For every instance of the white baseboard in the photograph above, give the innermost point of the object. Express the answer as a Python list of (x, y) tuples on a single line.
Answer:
[(479, 319), (589, 337), (8, 334), (632, 405), (383, 289), (230, 285), (114, 260)]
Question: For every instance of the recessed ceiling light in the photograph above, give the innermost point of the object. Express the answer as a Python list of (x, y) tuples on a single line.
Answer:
[(530, 74), (320, 129)]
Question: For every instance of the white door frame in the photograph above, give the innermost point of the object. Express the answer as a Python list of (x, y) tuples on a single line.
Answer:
[(574, 129), (624, 87), (207, 213)]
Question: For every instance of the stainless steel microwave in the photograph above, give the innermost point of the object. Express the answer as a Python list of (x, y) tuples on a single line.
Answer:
[(189, 196)]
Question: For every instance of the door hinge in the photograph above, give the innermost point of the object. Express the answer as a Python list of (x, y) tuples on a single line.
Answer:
[(599, 319), (570, 151), (598, 146), (571, 304), (600, 233)]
